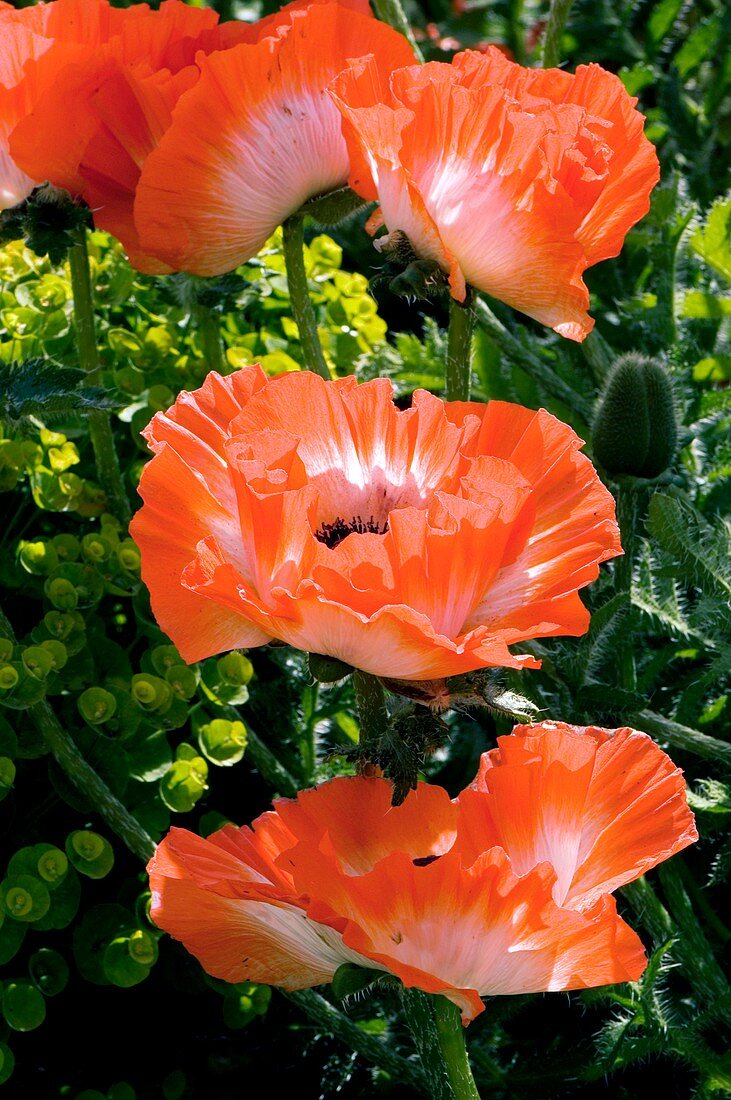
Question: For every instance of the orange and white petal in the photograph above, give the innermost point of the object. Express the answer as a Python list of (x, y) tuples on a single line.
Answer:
[(470, 932), (602, 807), (237, 938), (361, 825), (178, 512), (395, 641), (255, 139), (571, 530)]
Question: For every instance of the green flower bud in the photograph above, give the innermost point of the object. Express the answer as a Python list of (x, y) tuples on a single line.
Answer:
[(58, 652), (61, 593), (92, 855), (635, 428), (59, 624), (222, 742), (235, 669), (37, 661), (120, 966), (23, 1006), (95, 549), (328, 669), (184, 783), (6, 649), (49, 971), (96, 705), (150, 692), (142, 947), (67, 547), (9, 677), (128, 556), (7, 775), (183, 680), (39, 558), (164, 657), (52, 866), (24, 897)]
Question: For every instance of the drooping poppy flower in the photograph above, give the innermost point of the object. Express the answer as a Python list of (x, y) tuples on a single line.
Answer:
[(123, 71), (515, 874), (411, 544), (513, 180), (255, 139)]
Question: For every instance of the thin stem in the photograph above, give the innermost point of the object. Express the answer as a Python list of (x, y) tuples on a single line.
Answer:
[(82, 775), (100, 428), (683, 737), (454, 1050), (418, 1011), (209, 337), (374, 1050), (458, 367), (557, 16), (522, 357), (627, 517), (293, 241), (372, 712), (390, 11), (696, 953)]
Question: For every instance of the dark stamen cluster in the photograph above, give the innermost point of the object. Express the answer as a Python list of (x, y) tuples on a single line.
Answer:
[(332, 534)]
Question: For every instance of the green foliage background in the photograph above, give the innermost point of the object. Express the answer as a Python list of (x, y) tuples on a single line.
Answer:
[(90, 990)]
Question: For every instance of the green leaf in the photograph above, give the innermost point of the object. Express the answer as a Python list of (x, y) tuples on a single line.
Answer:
[(712, 242)]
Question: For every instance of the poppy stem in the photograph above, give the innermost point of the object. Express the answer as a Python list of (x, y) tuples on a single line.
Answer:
[(557, 16), (293, 242), (209, 338), (454, 1050), (537, 368), (458, 368), (391, 12), (372, 712), (100, 428), (628, 512), (82, 775)]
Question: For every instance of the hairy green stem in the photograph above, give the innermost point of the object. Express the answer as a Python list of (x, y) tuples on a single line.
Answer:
[(370, 1048), (100, 428), (82, 775), (391, 11), (683, 737), (418, 1011), (699, 960), (293, 242), (540, 371), (628, 509), (691, 948), (458, 367), (557, 16), (208, 329), (454, 1050), (372, 711)]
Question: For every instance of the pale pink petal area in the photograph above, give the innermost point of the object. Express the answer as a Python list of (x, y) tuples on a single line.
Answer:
[(513, 180), (206, 899), (413, 544), (255, 139), (469, 932)]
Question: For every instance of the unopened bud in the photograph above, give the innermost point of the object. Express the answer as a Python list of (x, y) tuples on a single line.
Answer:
[(635, 428)]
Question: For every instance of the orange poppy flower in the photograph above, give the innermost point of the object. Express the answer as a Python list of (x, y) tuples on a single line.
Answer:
[(412, 544), (516, 873), (513, 180), (123, 70), (255, 139)]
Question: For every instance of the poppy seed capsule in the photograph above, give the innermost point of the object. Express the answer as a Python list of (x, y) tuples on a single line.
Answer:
[(635, 429)]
